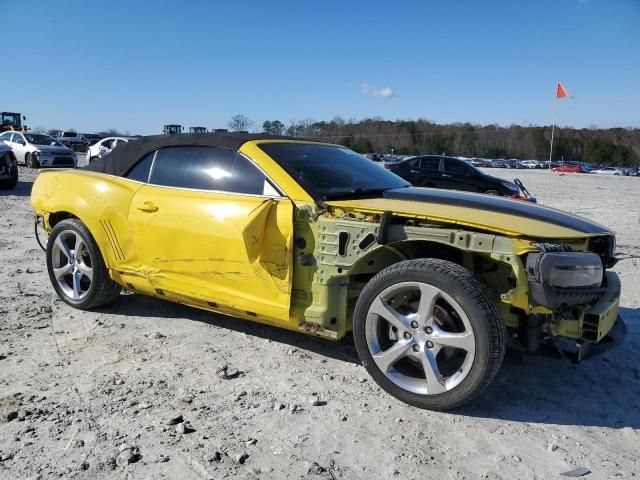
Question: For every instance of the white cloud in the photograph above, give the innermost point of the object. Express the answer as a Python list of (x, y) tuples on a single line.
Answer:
[(385, 92), (367, 89)]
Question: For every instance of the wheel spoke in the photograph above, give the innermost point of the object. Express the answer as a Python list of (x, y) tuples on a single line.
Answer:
[(435, 384), (387, 358), (77, 289), (63, 247), (428, 297), (62, 271), (390, 315), (85, 270), (464, 341), (78, 246)]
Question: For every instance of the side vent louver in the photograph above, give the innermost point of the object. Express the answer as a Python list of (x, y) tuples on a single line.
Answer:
[(113, 239)]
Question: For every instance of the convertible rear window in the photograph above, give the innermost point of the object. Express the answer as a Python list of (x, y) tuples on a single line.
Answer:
[(326, 171)]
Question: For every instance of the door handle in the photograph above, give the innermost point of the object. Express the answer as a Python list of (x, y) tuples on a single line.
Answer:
[(444, 175), (148, 207)]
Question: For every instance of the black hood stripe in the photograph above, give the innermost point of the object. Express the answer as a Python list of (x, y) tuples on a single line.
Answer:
[(492, 203)]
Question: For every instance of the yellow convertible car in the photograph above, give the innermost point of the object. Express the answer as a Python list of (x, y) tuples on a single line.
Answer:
[(315, 238)]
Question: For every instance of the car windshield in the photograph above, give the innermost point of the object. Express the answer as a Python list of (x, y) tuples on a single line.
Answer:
[(327, 171), (40, 139)]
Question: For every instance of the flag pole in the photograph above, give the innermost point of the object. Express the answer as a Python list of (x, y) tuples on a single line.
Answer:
[(553, 127)]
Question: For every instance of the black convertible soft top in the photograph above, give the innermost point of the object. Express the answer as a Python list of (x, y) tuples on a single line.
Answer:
[(120, 160)]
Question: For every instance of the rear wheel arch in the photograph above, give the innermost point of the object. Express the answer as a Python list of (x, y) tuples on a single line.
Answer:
[(57, 217)]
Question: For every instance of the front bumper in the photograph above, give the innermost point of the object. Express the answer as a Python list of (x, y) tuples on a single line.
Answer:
[(58, 161), (579, 350), (598, 328)]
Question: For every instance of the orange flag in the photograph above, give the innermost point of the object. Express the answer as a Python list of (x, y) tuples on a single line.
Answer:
[(561, 92)]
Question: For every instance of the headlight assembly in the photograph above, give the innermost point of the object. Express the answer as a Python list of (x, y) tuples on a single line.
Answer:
[(564, 278)]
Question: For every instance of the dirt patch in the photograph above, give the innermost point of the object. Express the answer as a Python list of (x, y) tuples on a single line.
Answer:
[(134, 390)]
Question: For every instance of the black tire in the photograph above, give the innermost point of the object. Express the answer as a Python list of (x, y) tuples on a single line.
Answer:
[(10, 183), (492, 191), (30, 162), (478, 304), (102, 290)]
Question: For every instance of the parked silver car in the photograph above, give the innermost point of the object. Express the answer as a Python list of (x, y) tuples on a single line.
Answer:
[(39, 150), (608, 171)]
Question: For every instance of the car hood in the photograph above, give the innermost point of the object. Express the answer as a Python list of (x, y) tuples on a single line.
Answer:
[(486, 212), (54, 149)]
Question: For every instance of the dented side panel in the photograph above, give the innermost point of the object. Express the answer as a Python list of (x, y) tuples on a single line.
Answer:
[(214, 248)]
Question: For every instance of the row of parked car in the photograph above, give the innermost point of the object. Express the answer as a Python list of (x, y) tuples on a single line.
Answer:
[(563, 167), (37, 150)]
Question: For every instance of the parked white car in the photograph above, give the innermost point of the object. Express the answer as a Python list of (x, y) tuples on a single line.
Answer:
[(530, 163), (39, 150), (104, 146), (608, 171)]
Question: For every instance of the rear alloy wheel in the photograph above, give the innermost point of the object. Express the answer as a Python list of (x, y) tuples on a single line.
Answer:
[(429, 333), (492, 192), (76, 268)]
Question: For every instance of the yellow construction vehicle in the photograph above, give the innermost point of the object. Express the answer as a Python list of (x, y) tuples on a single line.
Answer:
[(10, 121)]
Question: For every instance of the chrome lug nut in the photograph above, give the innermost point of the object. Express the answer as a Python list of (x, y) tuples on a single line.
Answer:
[(416, 348), (407, 335), (428, 330), (429, 344), (414, 324)]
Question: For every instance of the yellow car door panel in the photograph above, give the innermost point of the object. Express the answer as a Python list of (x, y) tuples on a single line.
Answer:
[(205, 231), (191, 243)]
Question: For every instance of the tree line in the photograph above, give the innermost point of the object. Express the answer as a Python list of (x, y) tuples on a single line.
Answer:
[(612, 146)]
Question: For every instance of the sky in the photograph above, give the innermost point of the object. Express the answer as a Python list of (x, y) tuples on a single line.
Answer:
[(137, 65)]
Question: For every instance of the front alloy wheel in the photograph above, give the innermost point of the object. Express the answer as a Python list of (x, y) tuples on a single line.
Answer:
[(420, 338), (429, 333)]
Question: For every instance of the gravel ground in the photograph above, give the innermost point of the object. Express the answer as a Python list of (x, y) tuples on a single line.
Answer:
[(140, 389)]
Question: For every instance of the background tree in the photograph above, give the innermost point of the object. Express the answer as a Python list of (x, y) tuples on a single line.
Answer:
[(240, 123), (275, 127), (112, 132)]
